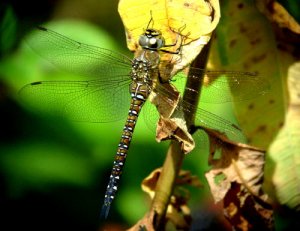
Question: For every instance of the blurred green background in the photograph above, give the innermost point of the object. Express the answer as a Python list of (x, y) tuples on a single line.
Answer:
[(53, 172)]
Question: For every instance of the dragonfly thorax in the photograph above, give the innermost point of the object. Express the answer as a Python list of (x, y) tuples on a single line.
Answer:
[(151, 40), (141, 71)]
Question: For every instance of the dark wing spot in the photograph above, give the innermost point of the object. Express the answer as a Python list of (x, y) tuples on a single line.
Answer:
[(42, 28), (36, 83)]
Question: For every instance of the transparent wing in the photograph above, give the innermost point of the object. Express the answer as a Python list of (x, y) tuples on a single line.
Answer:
[(228, 86), (78, 58), (204, 118), (93, 101), (106, 98)]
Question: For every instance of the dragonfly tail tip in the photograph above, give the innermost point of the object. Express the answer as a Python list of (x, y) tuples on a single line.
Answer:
[(104, 211)]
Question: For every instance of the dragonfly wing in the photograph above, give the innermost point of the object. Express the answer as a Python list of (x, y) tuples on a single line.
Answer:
[(150, 115), (203, 117), (76, 57), (92, 101), (228, 86)]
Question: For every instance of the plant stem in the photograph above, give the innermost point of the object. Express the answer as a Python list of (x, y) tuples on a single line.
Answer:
[(166, 183), (175, 155)]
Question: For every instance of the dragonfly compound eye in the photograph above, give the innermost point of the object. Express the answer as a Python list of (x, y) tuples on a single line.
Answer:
[(151, 40), (143, 40)]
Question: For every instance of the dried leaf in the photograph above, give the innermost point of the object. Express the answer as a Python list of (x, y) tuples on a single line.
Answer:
[(239, 163), (245, 211), (236, 178), (184, 178), (175, 128), (171, 125), (285, 150), (162, 107), (278, 14), (178, 212)]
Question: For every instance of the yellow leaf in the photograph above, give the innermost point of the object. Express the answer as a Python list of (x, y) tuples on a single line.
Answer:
[(285, 150), (193, 20), (245, 41)]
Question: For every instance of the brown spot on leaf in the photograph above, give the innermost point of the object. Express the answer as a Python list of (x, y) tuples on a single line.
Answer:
[(186, 4), (251, 106), (281, 124), (232, 43), (255, 41), (240, 6), (243, 29), (271, 101), (262, 128), (258, 58)]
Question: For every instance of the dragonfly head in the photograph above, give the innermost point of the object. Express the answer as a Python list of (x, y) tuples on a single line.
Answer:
[(151, 40)]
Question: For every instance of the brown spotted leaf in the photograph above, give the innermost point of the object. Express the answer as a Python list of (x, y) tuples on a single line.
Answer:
[(278, 14), (236, 178), (245, 41), (239, 163)]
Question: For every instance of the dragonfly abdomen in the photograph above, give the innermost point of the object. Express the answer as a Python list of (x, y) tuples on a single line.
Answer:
[(139, 94)]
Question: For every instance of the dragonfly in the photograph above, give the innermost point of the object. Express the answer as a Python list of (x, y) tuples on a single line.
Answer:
[(110, 75)]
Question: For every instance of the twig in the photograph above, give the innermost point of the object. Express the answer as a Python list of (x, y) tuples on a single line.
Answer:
[(175, 155)]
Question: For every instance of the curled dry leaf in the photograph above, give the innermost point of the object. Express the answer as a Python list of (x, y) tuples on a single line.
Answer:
[(194, 21), (275, 12), (178, 212), (238, 162), (236, 178), (159, 101), (246, 211), (175, 128), (284, 152), (184, 178), (170, 124)]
